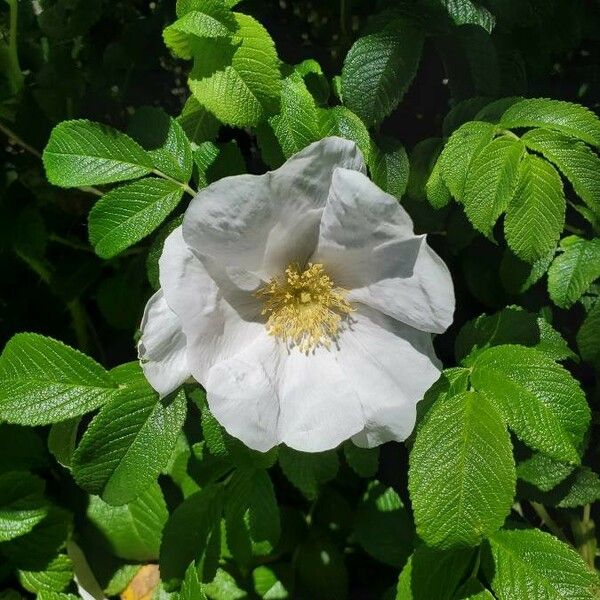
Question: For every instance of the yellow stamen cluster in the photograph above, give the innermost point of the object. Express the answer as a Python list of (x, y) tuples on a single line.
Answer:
[(304, 307)]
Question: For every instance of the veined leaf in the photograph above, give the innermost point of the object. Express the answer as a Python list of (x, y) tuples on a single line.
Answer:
[(389, 166), (199, 124), (379, 68), (22, 505), (528, 563), (131, 212), (132, 530), (182, 544), (44, 381), (129, 441), (53, 578), (341, 121), (308, 470), (191, 588), (462, 472), (540, 400), (297, 125), (455, 159), (238, 81), (491, 182), (433, 574), (575, 160), (568, 118), (588, 336), (535, 216), (435, 188), (573, 271), (210, 19), (82, 153), (464, 12), (511, 325)]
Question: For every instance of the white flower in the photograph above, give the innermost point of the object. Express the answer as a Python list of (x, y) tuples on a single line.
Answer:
[(304, 304)]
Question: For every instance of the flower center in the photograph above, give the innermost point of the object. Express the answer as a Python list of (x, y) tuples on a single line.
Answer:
[(304, 307)]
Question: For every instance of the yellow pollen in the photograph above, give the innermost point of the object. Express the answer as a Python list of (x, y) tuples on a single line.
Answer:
[(304, 307)]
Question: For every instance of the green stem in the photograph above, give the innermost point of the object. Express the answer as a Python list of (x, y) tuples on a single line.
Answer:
[(548, 521), (584, 532), (186, 188), (11, 135), (15, 75), (69, 243)]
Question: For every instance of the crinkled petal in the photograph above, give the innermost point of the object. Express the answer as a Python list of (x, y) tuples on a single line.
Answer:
[(262, 223), (267, 395), (367, 245), (390, 366), (217, 317), (162, 346), (241, 393)]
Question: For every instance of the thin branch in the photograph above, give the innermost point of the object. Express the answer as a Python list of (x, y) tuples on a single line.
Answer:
[(548, 521)]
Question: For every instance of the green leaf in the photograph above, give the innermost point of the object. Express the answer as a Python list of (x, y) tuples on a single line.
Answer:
[(511, 325), (435, 188), (456, 157), (588, 336), (191, 588), (131, 212), (531, 564), (238, 81), (297, 125), (464, 12), (82, 153), (383, 527), (199, 124), (132, 530), (379, 68), (574, 159), (422, 160), (491, 182), (224, 587), (34, 550), (272, 582), (363, 461), (62, 439), (251, 514), (55, 577), (44, 381), (156, 248), (389, 166), (573, 271), (540, 400), (183, 543), (341, 121), (211, 19), (129, 441), (566, 117), (433, 574), (543, 472), (473, 590), (165, 141), (518, 276), (462, 473), (535, 216), (22, 505), (307, 471), (579, 488)]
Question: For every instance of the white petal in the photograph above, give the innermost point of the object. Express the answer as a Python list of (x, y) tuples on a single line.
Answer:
[(266, 395), (262, 223), (390, 366), (241, 393), (217, 318), (367, 245), (319, 406), (162, 346)]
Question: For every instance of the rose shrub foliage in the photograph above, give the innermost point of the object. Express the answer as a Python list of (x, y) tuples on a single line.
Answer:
[(217, 158)]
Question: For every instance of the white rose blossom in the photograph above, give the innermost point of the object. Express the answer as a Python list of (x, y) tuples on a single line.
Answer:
[(303, 302)]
